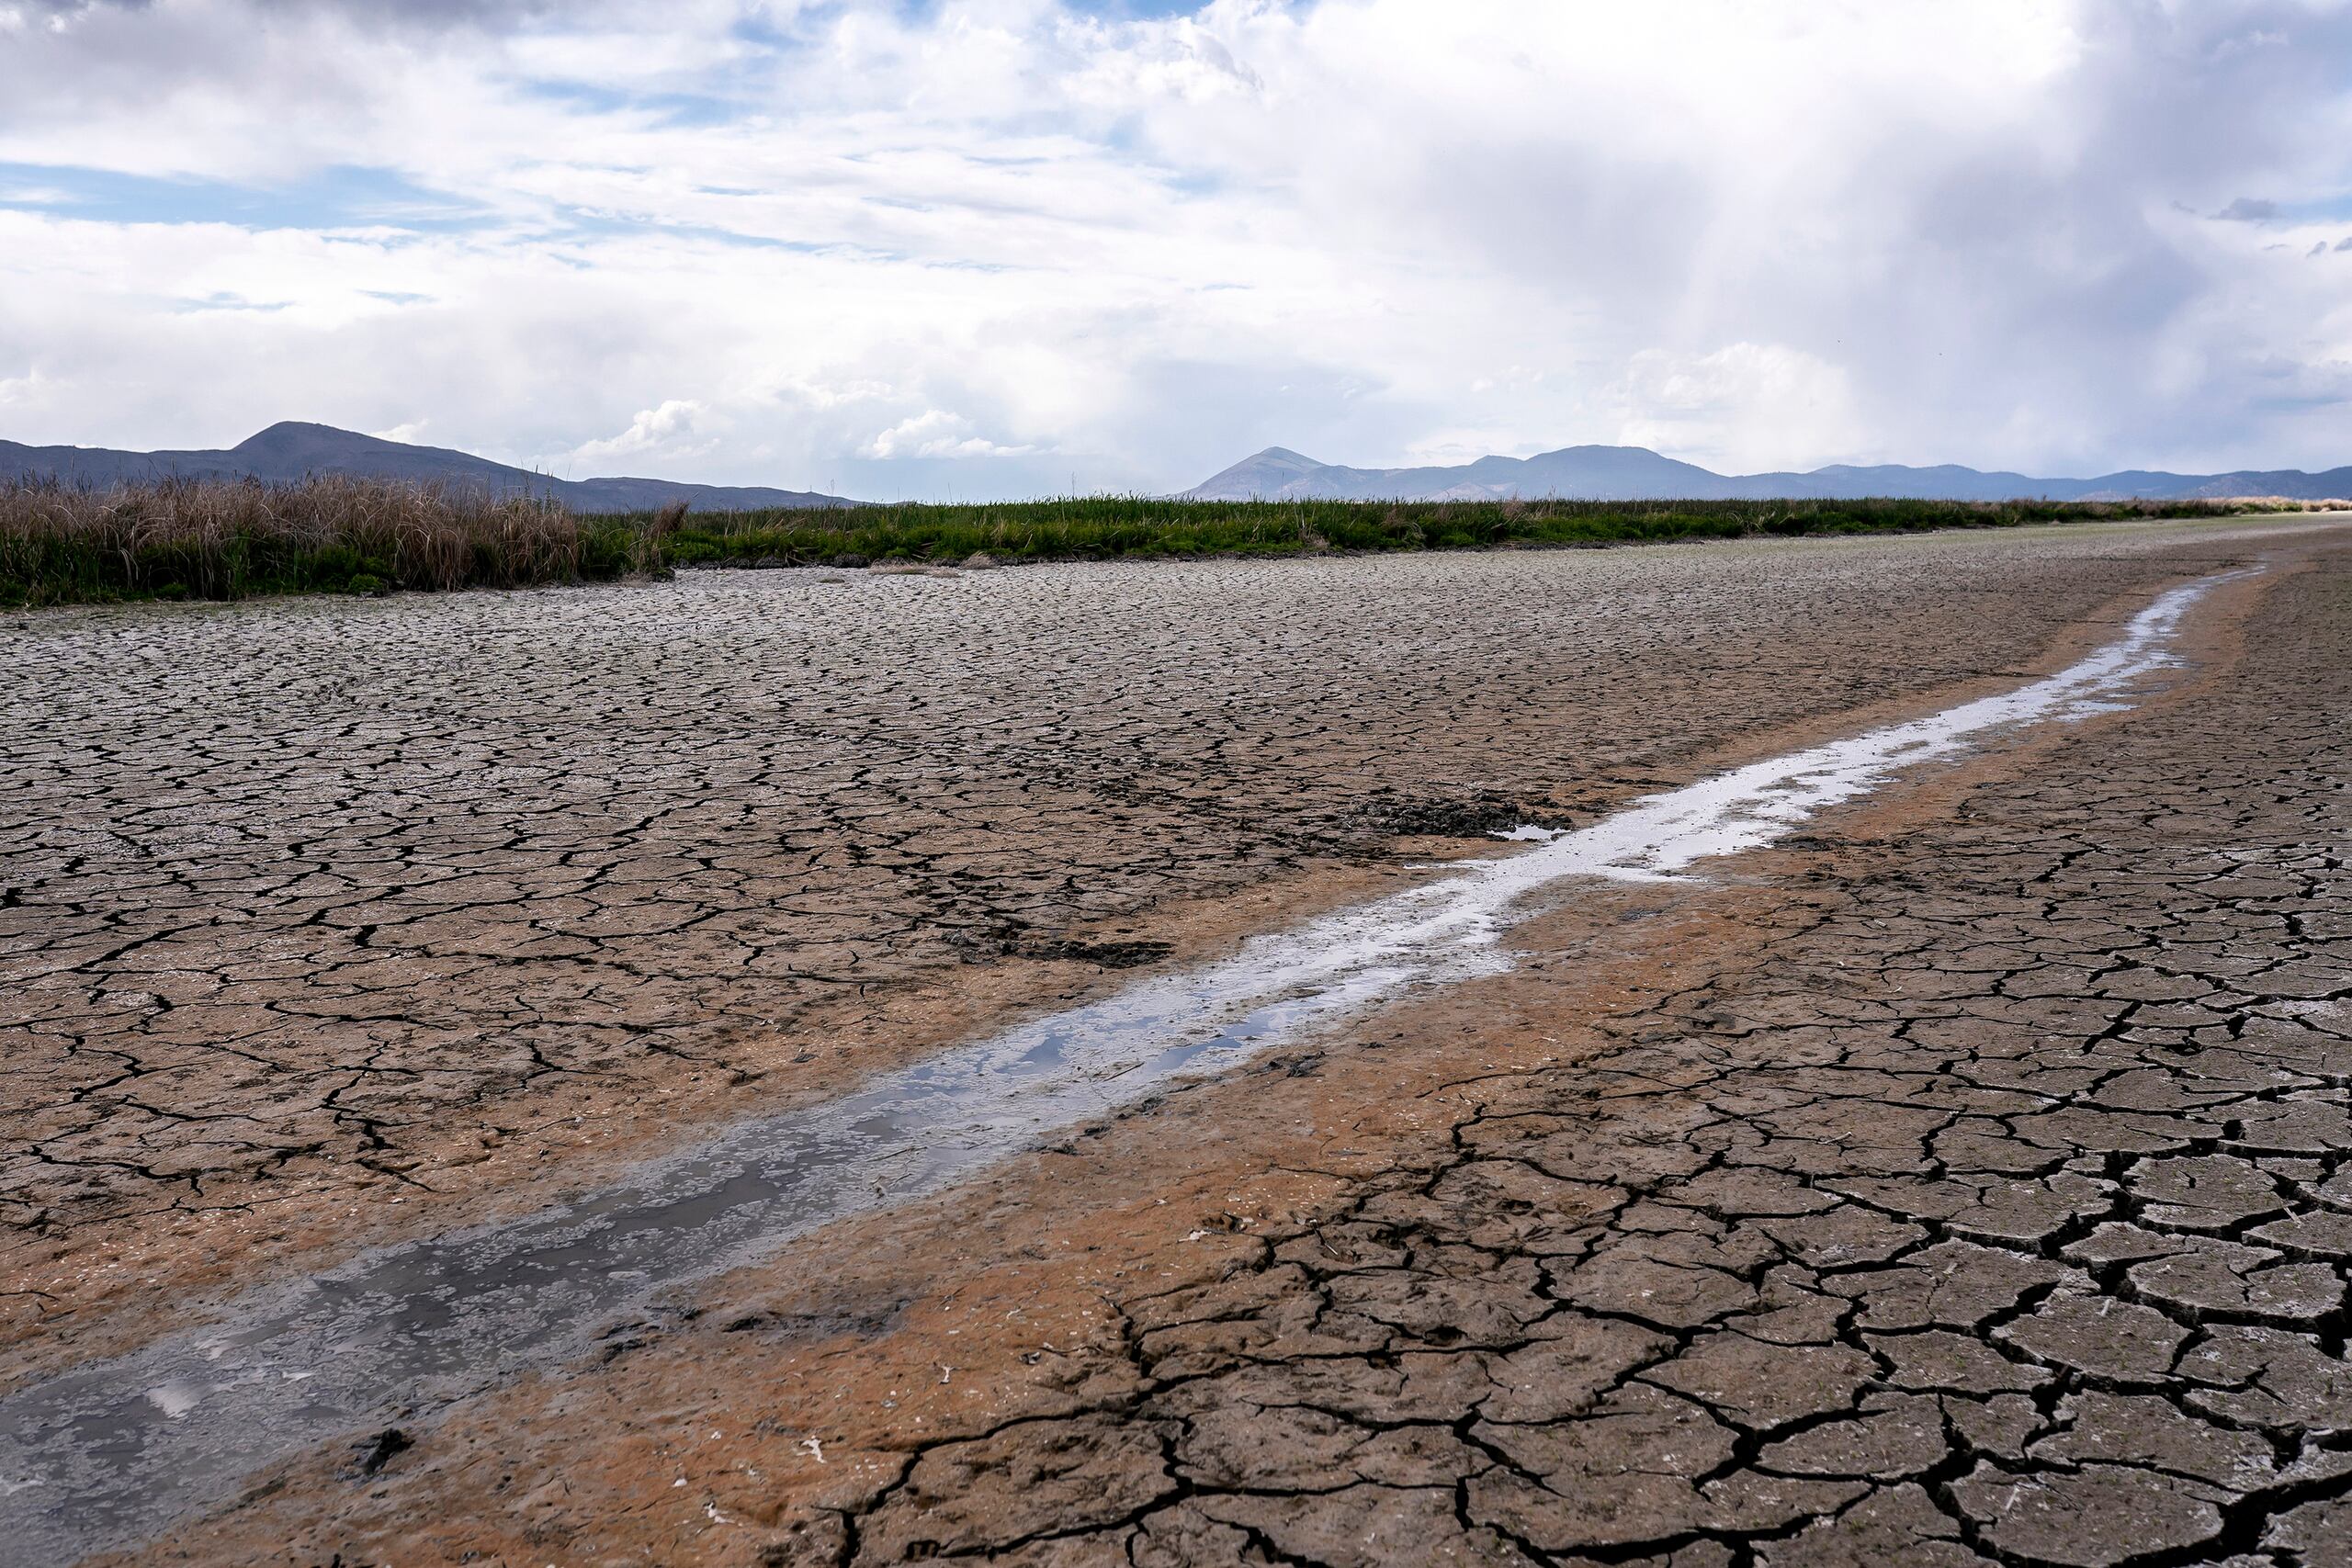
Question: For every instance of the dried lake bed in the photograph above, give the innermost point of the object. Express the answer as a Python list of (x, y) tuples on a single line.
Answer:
[(337, 923)]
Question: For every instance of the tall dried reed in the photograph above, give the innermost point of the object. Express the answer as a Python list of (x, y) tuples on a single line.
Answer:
[(230, 539)]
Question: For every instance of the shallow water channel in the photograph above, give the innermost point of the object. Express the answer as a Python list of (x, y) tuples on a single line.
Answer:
[(108, 1452)]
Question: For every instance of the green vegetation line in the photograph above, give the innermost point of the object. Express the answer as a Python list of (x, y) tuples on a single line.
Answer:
[(1102, 528), (210, 539)]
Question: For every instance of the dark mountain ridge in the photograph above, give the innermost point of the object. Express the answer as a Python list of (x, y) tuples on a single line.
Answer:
[(1636, 473), (291, 451)]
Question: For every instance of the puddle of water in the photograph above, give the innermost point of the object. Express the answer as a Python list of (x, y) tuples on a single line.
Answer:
[(110, 1452)]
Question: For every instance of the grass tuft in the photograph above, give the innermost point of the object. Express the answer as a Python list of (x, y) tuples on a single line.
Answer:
[(224, 539)]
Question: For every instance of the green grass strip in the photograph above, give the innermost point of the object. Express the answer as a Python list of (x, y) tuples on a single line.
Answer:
[(210, 539)]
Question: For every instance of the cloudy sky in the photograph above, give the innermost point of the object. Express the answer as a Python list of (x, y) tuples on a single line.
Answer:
[(1003, 247)]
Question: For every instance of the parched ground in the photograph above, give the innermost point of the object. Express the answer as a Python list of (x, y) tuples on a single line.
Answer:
[(323, 922), (1964, 1183)]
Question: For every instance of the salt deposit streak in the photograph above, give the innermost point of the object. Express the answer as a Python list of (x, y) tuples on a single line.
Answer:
[(1451, 927), (110, 1452)]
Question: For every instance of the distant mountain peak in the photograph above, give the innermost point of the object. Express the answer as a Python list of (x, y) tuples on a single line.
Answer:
[(1636, 473), (296, 449), (286, 428)]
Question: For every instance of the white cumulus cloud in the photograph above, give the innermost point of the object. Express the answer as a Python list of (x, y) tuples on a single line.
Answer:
[(1008, 246), (669, 427), (935, 434)]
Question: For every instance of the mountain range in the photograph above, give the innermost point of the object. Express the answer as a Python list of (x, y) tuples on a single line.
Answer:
[(290, 451), (1636, 473)]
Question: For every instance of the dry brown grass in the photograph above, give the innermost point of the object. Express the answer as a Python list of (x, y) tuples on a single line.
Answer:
[(227, 539)]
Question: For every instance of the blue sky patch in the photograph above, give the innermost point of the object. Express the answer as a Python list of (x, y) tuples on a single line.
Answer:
[(333, 198)]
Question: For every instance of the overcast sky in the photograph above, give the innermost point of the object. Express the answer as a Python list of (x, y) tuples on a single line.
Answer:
[(1002, 247)]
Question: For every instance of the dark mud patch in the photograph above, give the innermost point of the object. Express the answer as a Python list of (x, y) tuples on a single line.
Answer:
[(1012, 941), (1479, 815), (379, 1450), (1104, 954), (856, 1322)]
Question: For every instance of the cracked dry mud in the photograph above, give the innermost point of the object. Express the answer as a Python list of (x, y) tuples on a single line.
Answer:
[(1997, 1209), (1962, 1184), (327, 922)]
